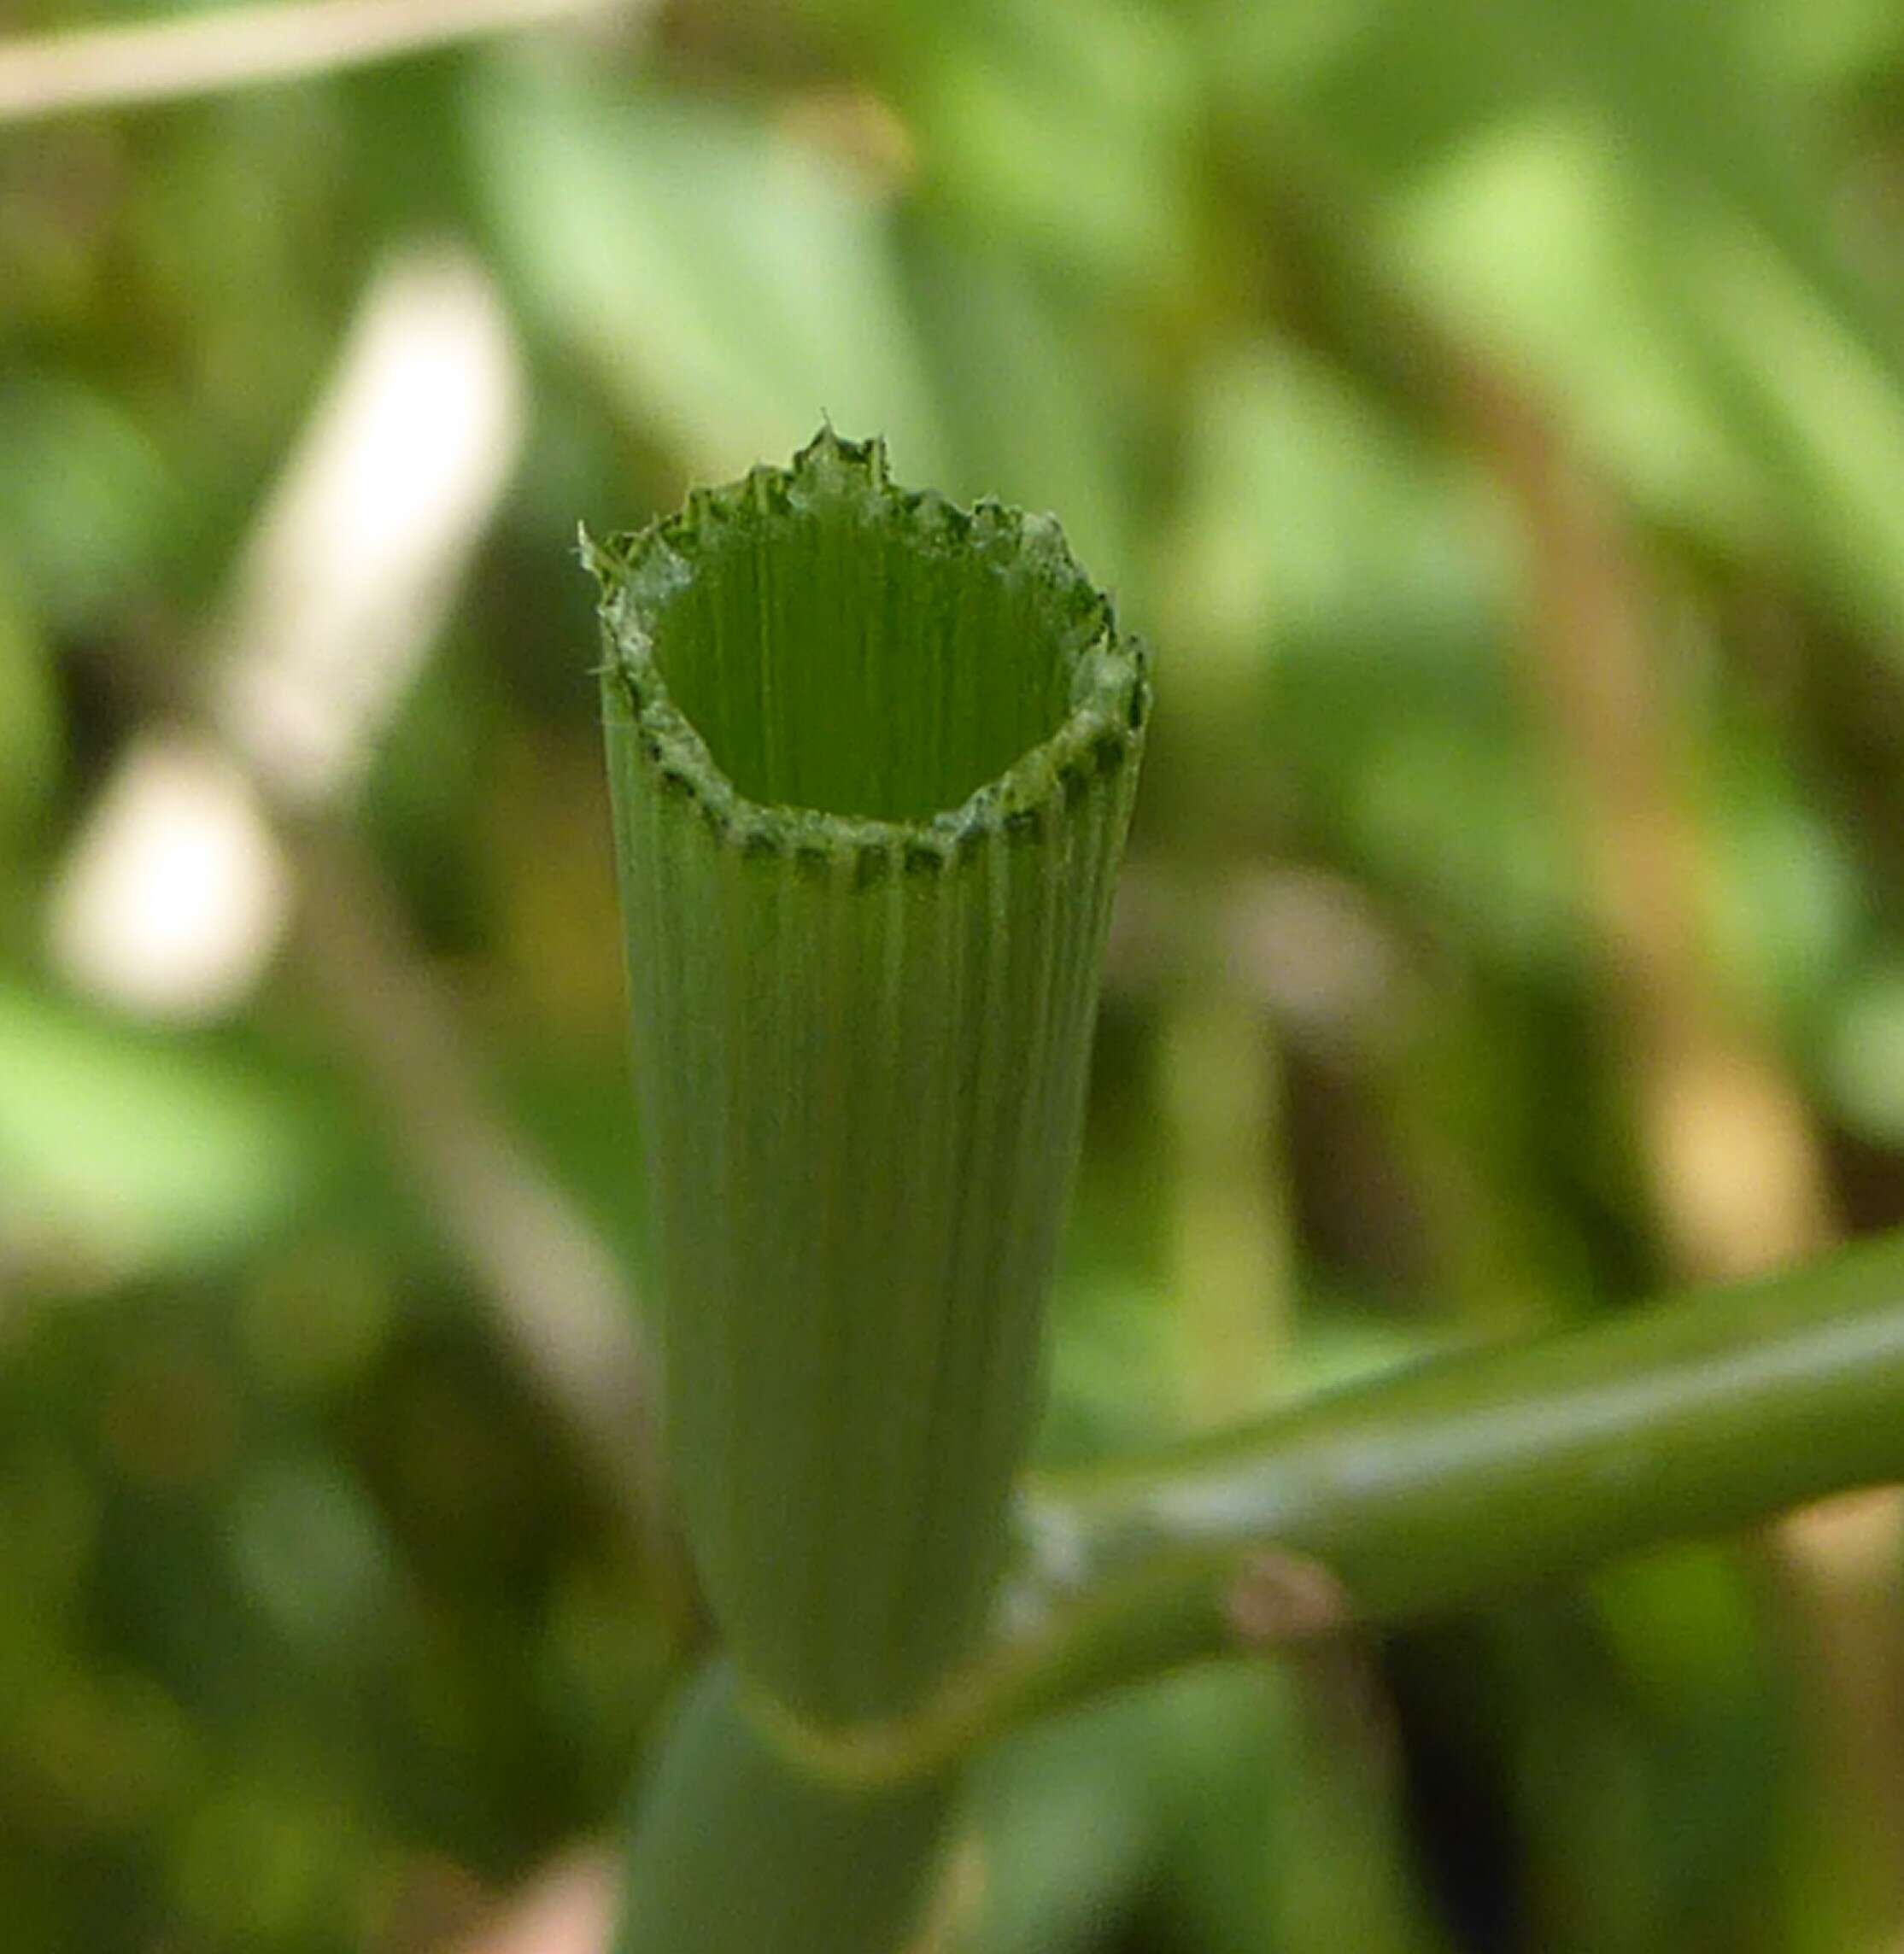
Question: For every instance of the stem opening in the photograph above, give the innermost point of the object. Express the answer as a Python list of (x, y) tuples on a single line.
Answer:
[(819, 654)]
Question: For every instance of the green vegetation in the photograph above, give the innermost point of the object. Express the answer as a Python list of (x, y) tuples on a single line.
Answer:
[(1494, 414)]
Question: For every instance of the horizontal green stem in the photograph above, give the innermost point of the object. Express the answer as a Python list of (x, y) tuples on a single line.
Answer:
[(1438, 1489)]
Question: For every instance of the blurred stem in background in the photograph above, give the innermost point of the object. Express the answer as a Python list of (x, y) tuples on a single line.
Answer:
[(1219, 1086), (1733, 1162), (1736, 1169), (83, 69), (331, 610)]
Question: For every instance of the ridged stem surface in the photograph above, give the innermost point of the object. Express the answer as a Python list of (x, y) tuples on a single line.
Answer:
[(735, 1851), (872, 760)]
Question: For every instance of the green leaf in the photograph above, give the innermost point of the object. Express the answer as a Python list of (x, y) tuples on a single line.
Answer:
[(1532, 242), (87, 497), (132, 1153), (1030, 412), (728, 284)]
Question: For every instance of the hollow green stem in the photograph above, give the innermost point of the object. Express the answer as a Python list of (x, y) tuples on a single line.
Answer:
[(872, 758), (734, 1849), (1438, 1489)]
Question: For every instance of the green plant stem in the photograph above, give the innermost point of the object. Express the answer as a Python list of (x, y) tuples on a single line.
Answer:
[(872, 757), (734, 1849), (1436, 1490)]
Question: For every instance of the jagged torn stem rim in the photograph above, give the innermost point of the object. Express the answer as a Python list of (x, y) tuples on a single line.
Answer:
[(639, 571)]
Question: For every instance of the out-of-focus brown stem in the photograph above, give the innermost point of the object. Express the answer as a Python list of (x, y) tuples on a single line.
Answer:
[(1736, 1167), (1734, 1163)]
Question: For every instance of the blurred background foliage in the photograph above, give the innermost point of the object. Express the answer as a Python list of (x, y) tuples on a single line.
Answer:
[(1494, 410)]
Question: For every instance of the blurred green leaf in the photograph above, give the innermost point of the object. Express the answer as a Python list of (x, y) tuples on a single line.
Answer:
[(1066, 1826), (728, 284), (1542, 250), (1355, 589), (86, 493), (1824, 412), (1031, 414), (1862, 1061), (1305, 520), (1070, 128), (130, 1152), (1285, 1833)]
